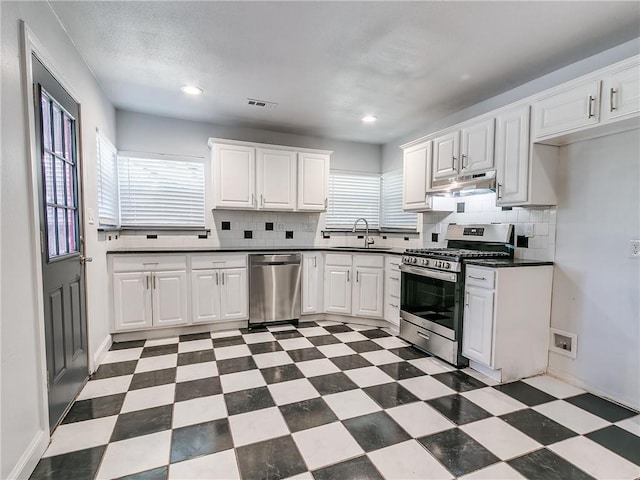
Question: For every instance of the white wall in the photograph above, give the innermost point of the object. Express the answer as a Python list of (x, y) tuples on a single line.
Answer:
[(23, 429), (596, 291)]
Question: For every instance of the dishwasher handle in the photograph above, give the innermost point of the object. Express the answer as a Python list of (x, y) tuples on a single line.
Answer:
[(287, 259)]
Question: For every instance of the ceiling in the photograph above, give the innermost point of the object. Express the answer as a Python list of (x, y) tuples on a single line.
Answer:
[(326, 64)]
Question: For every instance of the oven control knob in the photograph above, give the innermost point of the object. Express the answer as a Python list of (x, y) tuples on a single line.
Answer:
[(414, 260), (447, 265), (425, 262)]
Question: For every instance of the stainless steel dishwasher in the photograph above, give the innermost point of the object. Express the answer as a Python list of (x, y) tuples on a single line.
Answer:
[(274, 288)]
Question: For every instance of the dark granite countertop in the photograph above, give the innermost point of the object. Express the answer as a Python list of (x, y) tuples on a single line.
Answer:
[(506, 262), (138, 250)]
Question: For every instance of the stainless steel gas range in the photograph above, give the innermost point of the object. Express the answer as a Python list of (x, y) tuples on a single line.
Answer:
[(432, 287)]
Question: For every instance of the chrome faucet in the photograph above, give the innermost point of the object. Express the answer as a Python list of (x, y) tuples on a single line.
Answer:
[(367, 240)]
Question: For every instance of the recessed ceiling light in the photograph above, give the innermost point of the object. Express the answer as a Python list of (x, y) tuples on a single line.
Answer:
[(369, 118), (192, 90)]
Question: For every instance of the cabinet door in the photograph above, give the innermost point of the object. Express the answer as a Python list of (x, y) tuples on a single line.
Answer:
[(313, 181), (566, 111), (276, 179), (512, 156), (368, 292), (132, 301), (205, 295), (446, 149), (234, 172), (477, 331), (311, 283), (233, 294), (416, 177), (477, 147), (621, 94), (169, 298), (337, 290)]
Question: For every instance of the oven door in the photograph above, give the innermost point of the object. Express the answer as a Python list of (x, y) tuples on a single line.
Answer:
[(431, 299)]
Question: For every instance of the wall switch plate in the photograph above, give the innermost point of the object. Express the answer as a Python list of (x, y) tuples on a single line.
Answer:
[(280, 227), (634, 248), (528, 230)]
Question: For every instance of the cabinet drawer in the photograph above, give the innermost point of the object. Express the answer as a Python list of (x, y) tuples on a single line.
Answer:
[(392, 262), (202, 262), (480, 277), (338, 259), (374, 261), (151, 263), (392, 286)]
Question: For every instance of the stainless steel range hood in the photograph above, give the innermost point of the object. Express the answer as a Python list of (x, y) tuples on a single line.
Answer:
[(472, 184)]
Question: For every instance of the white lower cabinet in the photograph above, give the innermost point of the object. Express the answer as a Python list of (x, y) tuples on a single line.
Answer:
[(506, 320), (368, 292), (233, 294), (337, 289), (392, 290), (312, 283)]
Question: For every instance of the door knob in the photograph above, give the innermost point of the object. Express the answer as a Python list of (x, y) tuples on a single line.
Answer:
[(84, 259)]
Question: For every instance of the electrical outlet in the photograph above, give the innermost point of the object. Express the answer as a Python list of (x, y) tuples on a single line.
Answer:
[(528, 230), (634, 248), (280, 227)]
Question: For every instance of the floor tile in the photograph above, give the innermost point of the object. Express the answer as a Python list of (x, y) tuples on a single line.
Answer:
[(159, 350), (364, 346), (497, 471), (292, 391), (313, 331), (234, 365), (493, 401), (390, 342), (305, 354), (351, 403), (420, 419), (282, 373), (553, 386), (630, 424), (431, 365), (127, 345), (142, 422), (338, 329), (273, 359), (78, 465), (195, 345), (228, 341), (349, 362), (525, 393), (380, 357), (94, 408), (148, 397), (248, 400), (224, 353), (459, 381), (190, 337), (350, 336), (161, 341), (158, 473), (199, 410), (359, 468), (327, 323), (286, 334), (259, 337), (313, 368), (307, 414), (225, 334), (500, 438), (408, 461), (365, 377), (620, 441), (189, 358), (389, 395), (200, 439), (546, 465), (153, 378), (336, 350), (323, 340), (196, 371), (216, 466), (572, 417), (135, 455), (116, 356), (81, 435), (272, 459), (332, 383), (105, 387), (409, 353), (326, 445), (426, 387), (542, 429), (458, 409), (157, 363), (401, 370), (601, 407), (203, 387), (265, 347), (116, 369), (375, 333), (295, 343), (457, 451), (244, 431), (375, 430)]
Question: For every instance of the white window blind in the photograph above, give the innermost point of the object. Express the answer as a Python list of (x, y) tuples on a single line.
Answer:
[(158, 192), (392, 215), (352, 196), (108, 205)]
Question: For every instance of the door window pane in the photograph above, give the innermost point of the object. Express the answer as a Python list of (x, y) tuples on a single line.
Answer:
[(51, 232), (48, 178), (71, 230), (57, 130), (60, 189), (68, 137), (46, 122), (69, 181), (62, 232)]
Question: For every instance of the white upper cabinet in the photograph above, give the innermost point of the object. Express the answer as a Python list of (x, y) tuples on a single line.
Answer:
[(275, 179), (512, 156), (446, 153), (621, 94), (234, 176), (313, 181), (416, 178), (476, 150)]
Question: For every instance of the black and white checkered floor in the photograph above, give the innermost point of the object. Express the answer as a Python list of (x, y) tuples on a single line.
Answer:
[(328, 401)]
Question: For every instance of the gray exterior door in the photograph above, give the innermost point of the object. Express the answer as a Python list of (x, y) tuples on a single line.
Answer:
[(56, 116)]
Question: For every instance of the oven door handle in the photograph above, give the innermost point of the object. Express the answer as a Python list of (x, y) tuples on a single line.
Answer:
[(426, 272)]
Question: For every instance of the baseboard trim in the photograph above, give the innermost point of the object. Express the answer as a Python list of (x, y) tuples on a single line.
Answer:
[(101, 352), (31, 456)]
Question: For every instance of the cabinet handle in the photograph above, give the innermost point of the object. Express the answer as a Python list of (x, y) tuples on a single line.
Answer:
[(147, 282), (394, 278), (477, 278), (466, 298), (463, 165), (357, 276), (498, 192), (261, 200), (394, 264), (393, 305), (315, 262), (326, 203), (154, 282), (591, 100), (222, 278), (423, 335), (612, 93), (216, 278), (453, 163), (348, 276)]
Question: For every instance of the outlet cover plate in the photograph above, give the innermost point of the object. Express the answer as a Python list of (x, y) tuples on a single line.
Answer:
[(555, 345), (634, 248)]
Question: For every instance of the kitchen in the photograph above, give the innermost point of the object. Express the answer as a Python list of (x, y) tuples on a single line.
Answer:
[(607, 359)]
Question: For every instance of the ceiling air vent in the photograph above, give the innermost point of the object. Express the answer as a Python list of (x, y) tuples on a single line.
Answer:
[(261, 103)]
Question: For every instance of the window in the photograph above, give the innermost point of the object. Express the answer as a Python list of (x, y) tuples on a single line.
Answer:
[(392, 215), (108, 204), (161, 192), (352, 196)]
